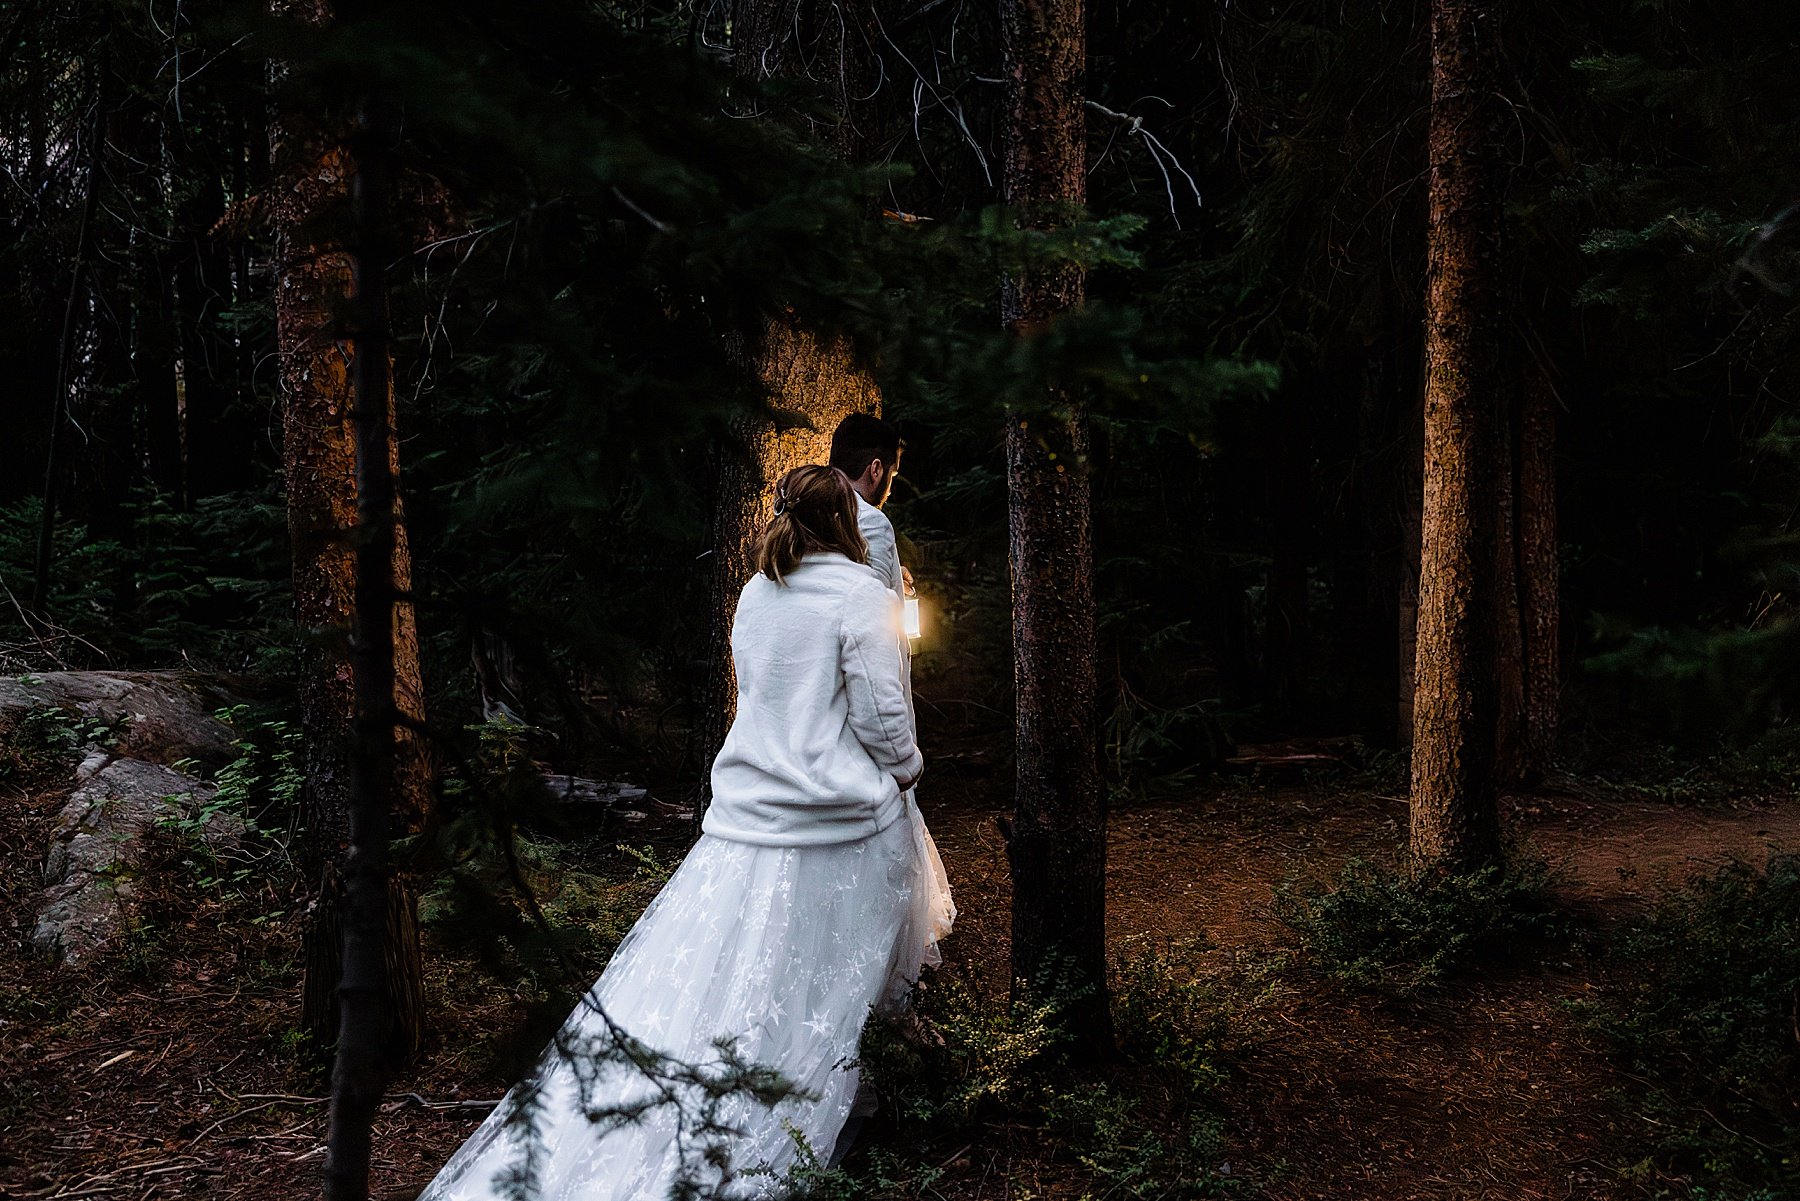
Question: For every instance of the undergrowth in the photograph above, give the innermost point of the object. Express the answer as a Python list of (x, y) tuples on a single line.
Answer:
[(528, 890), (256, 796), (1388, 928), (46, 740), (1709, 1026), (205, 585), (959, 1066)]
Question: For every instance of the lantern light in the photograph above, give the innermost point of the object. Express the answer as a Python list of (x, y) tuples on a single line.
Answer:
[(910, 617)]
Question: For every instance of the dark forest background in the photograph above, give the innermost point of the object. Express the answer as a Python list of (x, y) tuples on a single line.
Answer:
[(1255, 492), (635, 259)]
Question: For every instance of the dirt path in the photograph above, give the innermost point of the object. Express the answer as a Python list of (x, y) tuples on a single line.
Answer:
[(1484, 1091)]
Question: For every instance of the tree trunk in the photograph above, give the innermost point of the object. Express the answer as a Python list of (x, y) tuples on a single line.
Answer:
[(810, 388), (1539, 573), (1455, 824), (810, 385), (214, 443), (1057, 843), (1287, 627), (314, 282), (79, 288), (360, 1070), (1369, 553), (826, 42)]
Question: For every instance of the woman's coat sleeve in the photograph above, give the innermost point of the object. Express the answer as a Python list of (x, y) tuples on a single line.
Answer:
[(870, 647)]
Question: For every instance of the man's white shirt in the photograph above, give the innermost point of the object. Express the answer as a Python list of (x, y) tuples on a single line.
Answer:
[(884, 551), (884, 561)]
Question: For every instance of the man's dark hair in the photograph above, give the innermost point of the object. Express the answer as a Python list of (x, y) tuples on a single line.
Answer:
[(861, 439)]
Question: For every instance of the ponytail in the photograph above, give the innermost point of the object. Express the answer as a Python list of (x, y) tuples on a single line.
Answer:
[(815, 510), (781, 547)]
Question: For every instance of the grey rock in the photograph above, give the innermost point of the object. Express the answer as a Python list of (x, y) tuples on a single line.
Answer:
[(168, 715), (99, 847)]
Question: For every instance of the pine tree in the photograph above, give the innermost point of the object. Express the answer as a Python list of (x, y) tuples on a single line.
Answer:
[(314, 274), (1057, 841), (809, 382), (1455, 822)]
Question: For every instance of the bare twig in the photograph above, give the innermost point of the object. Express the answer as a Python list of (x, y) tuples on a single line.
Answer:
[(1134, 127)]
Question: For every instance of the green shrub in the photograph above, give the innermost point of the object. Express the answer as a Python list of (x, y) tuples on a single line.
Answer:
[(262, 782), (1153, 750), (45, 740), (1168, 1020), (1387, 927), (260, 787), (206, 585), (1709, 1025), (883, 1174), (1144, 1127), (1128, 1153), (956, 1054)]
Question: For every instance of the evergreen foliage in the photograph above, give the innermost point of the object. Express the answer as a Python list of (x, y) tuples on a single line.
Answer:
[(1706, 1025), (958, 1064), (1393, 929)]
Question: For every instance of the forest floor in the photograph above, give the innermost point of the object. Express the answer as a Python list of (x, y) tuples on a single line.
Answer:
[(171, 1070)]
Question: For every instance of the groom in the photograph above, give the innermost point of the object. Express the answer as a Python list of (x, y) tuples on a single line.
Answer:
[(867, 449)]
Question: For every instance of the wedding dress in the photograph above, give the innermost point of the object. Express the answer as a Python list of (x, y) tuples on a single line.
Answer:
[(766, 948), (785, 951)]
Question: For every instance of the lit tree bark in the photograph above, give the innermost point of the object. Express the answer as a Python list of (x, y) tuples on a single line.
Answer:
[(1057, 842), (314, 284), (1455, 824)]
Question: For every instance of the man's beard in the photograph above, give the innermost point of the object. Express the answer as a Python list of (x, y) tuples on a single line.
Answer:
[(887, 486)]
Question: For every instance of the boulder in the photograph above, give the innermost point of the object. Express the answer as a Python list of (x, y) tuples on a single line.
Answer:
[(99, 847), (123, 791), (168, 715)]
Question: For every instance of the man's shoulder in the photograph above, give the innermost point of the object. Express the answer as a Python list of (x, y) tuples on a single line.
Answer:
[(868, 517)]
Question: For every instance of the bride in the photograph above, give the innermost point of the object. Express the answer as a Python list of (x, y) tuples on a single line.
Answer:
[(813, 896)]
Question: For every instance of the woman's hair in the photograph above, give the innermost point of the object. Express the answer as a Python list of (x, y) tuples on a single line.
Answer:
[(815, 510)]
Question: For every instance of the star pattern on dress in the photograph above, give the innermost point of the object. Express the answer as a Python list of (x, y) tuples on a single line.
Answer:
[(656, 1022), (743, 939)]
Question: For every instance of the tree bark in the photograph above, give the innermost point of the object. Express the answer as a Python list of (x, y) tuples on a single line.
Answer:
[(829, 43), (1455, 823), (314, 282), (1057, 843), (360, 1069)]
